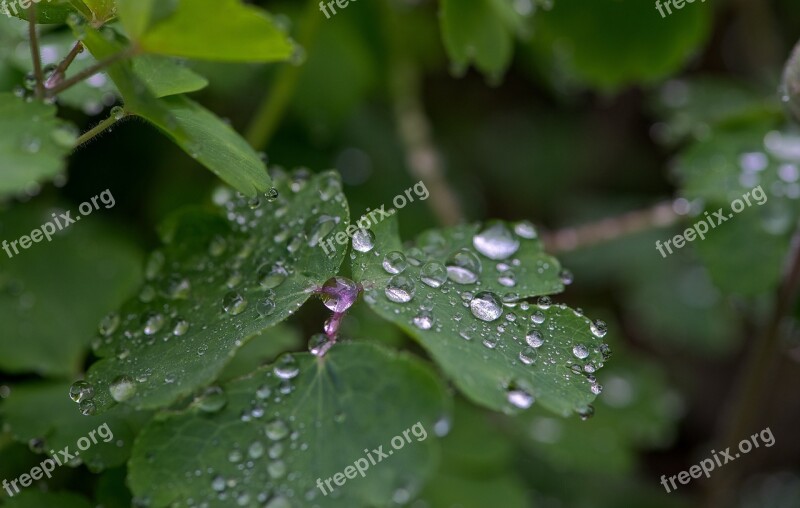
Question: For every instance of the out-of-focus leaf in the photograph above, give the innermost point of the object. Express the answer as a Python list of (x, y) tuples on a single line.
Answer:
[(477, 32), (102, 10), (221, 279), (791, 83), (747, 182), (33, 143), (51, 12), (305, 420), (111, 490), (511, 355), (221, 30), (22, 412), (53, 294), (262, 349), (615, 43)]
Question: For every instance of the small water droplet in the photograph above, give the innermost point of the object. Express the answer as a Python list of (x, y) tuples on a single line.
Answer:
[(598, 328), (80, 391), (395, 262), (276, 430), (318, 344), (212, 400), (286, 367), (463, 267), (580, 351), (434, 274)]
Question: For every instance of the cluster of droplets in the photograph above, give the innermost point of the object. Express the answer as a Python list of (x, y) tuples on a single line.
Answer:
[(495, 320), (177, 317)]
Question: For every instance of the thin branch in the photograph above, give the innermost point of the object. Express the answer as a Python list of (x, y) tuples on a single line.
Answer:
[(91, 71), (98, 129), (36, 56), (747, 399), (566, 240), (422, 158), (269, 114), (58, 75)]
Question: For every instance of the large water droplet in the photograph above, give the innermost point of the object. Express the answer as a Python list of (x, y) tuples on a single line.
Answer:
[(434, 274), (520, 398), (423, 320), (339, 293), (598, 328), (286, 367), (122, 388), (212, 400), (395, 262), (463, 267), (234, 303), (271, 276), (363, 240), (400, 289), (153, 323), (580, 351), (495, 241), (486, 306), (534, 338), (80, 391), (276, 430)]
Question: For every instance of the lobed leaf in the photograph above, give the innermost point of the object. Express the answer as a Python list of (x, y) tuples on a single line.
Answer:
[(33, 143), (221, 279), (476, 331), (283, 428)]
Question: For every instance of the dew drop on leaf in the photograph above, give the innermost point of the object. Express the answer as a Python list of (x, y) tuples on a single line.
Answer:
[(495, 241), (486, 306), (122, 388), (400, 289)]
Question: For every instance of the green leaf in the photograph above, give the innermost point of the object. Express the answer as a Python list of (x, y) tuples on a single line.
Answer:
[(261, 350), (102, 10), (138, 15), (475, 31), (726, 171), (622, 42), (164, 76), (308, 418), (51, 12), (260, 263), (483, 356), (23, 413), (32, 498), (53, 294), (221, 30), (205, 137), (33, 143), (136, 94)]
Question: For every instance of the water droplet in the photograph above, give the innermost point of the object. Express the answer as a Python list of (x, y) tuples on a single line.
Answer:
[(87, 407), (117, 113), (109, 324), (534, 338), (218, 484), (544, 302), (276, 469), (434, 274), (272, 194), (486, 306), (271, 276), (598, 328), (495, 241), (363, 240), (318, 344), (537, 317), (217, 246), (566, 277), (395, 262), (528, 356), (324, 225), (177, 288), (463, 267), (256, 450), (580, 351), (400, 289), (80, 391), (234, 303), (122, 388), (520, 398), (264, 392), (254, 202), (585, 412), (286, 367), (276, 430), (153, 323), (212, 400), (339, 293), (329, 188), (266, 303), (524, 229), (507, 279), (423, 320)]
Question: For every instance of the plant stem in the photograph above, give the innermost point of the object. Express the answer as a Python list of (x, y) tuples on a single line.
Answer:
[(91, 71), (422, 158), (58, 74), (273, 107), (747, 399), (36, 56), (569, 239), (97, 129)]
